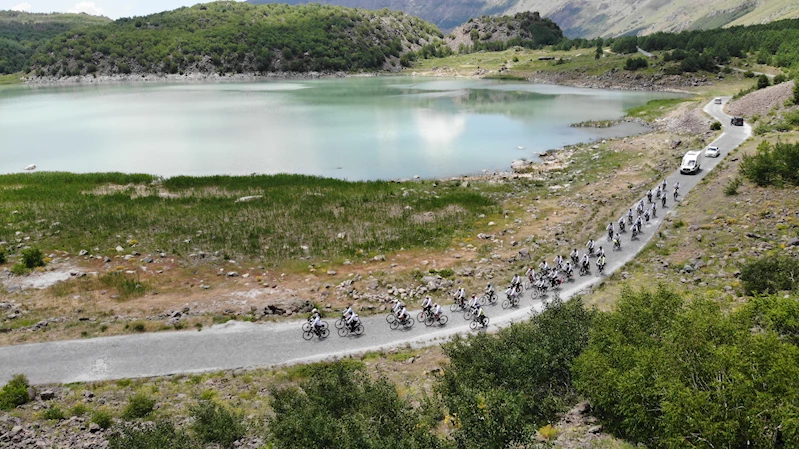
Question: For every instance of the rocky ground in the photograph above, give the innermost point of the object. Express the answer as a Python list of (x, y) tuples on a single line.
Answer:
[(761, 102)]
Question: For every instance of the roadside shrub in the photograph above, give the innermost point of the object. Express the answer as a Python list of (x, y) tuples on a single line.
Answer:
[(53, 413), (213, 423), (340, 406), (19, 269), (14, 393), (779, 79), (749, 74), (772, 165), (669, 373), (78, 410), (102, 419), (732, 186), (770, 274), (163, 435), (715, 126), (502, 388), (32, 258), (139, 406)]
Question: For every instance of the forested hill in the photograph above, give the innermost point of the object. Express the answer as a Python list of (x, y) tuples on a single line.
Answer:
[(22, 33), (233, 37)]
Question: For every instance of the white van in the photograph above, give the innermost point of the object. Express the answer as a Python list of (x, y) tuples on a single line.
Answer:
[(691, 162), (717, 101)]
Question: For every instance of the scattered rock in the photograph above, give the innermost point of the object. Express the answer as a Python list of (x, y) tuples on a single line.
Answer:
[(232, 274)]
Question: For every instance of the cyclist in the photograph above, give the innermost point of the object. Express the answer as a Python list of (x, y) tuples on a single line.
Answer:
[(654, 210), (543, 267), (427, 304), (510, 292), (585, 262), (638, 224), (558, 260), (353, 320), (516, 282), (590, 247), (567, 268), (600, 263), (347, 312), (437, 311), (489, 290), (403, 315), (575, 256), (601, 252), (530, 273), (663, 200), (658, 193), (646, 215), (480, 315), (473, 303), (398, 305), (460, 296), (649, 196), (610, 230), (630, 216), (621, 224), (316, 321), (664, 186), (617, 241)]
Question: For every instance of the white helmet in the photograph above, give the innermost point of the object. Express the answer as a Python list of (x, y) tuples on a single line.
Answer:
[(314, 310)]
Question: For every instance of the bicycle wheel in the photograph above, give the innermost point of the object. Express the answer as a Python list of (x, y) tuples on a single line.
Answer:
[(493, 298), (339, 323), (454, 307), (534, 293), (394, 324), (306, 326), (515, 302), (485, 322), (409, 324), (442, 320), (324, 333), (390, 318), (359, 329), (307, 335), (482, 300), (325, 325), (421, 316), (506, 304), (343, 331), (473, 325), (467, 315)]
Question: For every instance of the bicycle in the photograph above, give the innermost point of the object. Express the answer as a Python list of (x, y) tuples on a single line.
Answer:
[(483, 323), (457, 305), (513, 301), (406, 323), (600, 270), (584, 270), (346, 330), (488, 299), (421, 316), (322, 332), (617, 245), (432, 319)]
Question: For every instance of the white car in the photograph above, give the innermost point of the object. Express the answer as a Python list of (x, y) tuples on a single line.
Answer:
[(712, 152)]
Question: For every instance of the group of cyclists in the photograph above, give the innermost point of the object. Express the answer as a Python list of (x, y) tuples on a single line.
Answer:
[(546, 277)]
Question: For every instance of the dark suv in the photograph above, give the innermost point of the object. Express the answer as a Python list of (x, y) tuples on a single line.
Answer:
[(737, 121)]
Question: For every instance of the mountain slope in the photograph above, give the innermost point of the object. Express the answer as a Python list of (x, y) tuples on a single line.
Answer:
[(232, 37), (591, 18), (22, 33)]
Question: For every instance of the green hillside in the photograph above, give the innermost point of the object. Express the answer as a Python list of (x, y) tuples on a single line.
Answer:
[(22, 33), (230, 37)]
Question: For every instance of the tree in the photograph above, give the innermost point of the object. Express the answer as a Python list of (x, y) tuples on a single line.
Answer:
[(763, 82)]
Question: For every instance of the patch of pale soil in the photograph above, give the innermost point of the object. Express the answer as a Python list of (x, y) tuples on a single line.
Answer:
[(762, 101), (686, 119), (577, 429), (39, 280)]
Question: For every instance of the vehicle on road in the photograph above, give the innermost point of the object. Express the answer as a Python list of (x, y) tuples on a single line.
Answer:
[(717, 100), (691, 162), (737, 121), (712, 152)]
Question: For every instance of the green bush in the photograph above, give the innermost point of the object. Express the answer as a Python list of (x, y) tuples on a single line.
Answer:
[(213, 423), (772, 165), (770, 274), (2, 256), (19, 269), (749, 74), (340, 406), (14, 393), (78, 410), (53, 413), (162, 435), (633, 64), (763, 82), (779, 79), (102, 419), (732, 186), (139, 406), (32, 258), (674, 374), (503, 387), (715, 126)]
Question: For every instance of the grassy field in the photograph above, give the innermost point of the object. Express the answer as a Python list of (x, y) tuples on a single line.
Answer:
[(13, 78), (287, 217)]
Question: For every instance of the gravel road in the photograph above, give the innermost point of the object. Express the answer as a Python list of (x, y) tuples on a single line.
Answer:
[(244, 345)]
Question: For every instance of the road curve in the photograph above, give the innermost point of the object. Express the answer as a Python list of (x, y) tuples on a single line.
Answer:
[(246, 345)]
